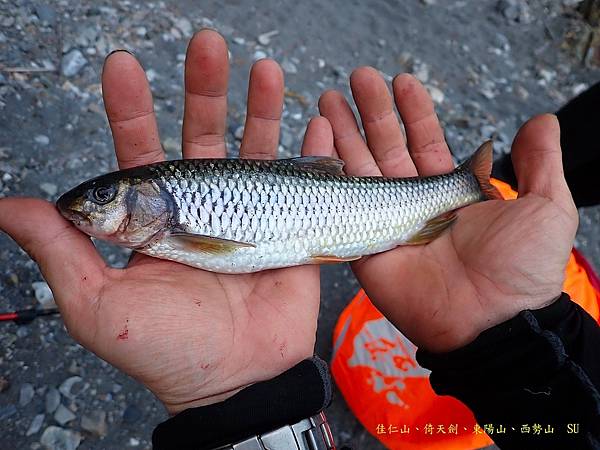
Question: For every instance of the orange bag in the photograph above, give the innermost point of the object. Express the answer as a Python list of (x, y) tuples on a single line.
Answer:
[(375, 368)]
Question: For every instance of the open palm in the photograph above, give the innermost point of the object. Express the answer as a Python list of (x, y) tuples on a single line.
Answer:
[(192, 337), (499, 258)]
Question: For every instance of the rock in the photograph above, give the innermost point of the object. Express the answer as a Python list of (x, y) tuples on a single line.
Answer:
[(95, 423), (63, 415), (289, 67), (131, 414), (36, 424), (26, 394), (171, 145), (133, 442), (52, 400), (239, 133), (579, 88), (4, 384), (72, 63), (184, 25), (42, 139), (7, 411), (42, 291), (46, 14), (22, 331), (287, 140), (259, 54), (487, 131), (515, 10), (116, 388), (56, 438), (67, 385), (421, 71), (239, 40), (265, 38), (49, 188), (437, 95)]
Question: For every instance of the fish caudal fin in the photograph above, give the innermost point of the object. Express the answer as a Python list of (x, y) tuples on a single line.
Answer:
[(480, 165)]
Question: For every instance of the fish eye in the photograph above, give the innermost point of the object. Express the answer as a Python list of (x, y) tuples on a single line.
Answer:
[(103, 194)]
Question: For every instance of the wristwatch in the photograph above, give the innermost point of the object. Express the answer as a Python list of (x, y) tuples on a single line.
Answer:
[(308, 434)]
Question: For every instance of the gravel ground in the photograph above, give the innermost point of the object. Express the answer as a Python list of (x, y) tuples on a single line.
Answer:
[(489, 65)]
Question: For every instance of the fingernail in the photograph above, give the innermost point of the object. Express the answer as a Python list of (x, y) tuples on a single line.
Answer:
[(118, 50)]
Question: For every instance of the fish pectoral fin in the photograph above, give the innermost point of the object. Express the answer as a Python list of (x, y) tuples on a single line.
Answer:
[(205, 244), (432, 229), (321, 164), (332, 259)]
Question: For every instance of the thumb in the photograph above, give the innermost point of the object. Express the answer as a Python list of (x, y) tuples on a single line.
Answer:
[(67, 258), (537, 160)]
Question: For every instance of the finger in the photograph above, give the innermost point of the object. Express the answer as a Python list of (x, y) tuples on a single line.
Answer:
[(426, 142), (206, 77), (382, 128), (130, 111), (537, 160), (67, 258), (318, 139), (265, 104), (347, 139)]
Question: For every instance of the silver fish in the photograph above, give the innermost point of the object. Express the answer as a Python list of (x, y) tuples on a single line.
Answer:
[(236, 216)]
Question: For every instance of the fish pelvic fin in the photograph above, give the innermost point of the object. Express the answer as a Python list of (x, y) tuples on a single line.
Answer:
[(432, 229), (480, 165), (205, 244)]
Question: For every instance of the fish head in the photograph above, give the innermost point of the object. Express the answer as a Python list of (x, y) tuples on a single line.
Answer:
[(127, 210)]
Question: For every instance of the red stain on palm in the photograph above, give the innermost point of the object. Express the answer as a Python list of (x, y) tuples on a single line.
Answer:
[(124, 334)]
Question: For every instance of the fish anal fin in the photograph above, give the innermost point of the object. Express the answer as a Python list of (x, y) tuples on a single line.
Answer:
[(205, 244), (332, 259), (480, 165), (432, 229), (321, 164)]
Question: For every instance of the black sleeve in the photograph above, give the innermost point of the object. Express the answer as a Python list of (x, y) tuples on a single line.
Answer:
[(537, 372), (300, 392)]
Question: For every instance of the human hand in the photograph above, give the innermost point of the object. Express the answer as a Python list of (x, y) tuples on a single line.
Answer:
[(499, 258), (192, 337)]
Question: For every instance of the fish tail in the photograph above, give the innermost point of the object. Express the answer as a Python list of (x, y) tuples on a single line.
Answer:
[(480, 165)]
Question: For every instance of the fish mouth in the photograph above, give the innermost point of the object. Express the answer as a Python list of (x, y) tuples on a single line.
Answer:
[(78, 218)]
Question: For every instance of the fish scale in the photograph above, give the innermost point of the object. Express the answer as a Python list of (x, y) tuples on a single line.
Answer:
[(327, 215)]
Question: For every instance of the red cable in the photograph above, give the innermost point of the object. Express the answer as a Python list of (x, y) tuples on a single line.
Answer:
[(8, 316)]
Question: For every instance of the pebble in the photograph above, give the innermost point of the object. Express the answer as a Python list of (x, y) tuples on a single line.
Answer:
[(4, 384), (49, 188), (289, 67), (52, 400), (184, 25), (131, 414), (45, 13), (265, 38), (437, 95), (41, 290), (7, 411), (63, 415), (36, 424), (56, 438), (579, 88), (67, 385), (239, 133), (95, 423), (259, 54), (26, 394), (42, 139), (239, 40), (72, 63), (287, 139), (133, 442), (172, 145)]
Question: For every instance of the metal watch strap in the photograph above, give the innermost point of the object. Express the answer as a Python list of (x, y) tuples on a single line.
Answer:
[(308, 434)]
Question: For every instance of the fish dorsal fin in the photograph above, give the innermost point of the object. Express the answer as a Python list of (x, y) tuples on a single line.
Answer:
[(205, 244), (321, 164), (432, 229)]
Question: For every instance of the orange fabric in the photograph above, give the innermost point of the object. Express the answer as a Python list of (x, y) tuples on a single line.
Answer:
[(374, 367)]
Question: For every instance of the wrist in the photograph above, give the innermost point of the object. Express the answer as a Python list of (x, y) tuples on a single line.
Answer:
[(297, 394)]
